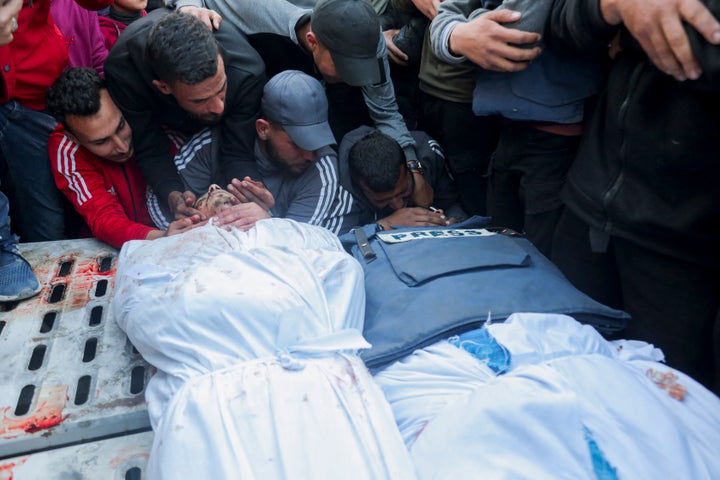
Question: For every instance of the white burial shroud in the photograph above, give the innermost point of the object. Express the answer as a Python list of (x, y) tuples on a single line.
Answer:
[(254, 337)]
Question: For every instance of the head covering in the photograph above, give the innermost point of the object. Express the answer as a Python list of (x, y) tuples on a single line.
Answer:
[(297, 101), (350, 30)]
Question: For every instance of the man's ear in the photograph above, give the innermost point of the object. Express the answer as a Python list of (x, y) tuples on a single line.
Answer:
[(262, 127), (311, 40), (68, 133), (360, 183), (71, 135), (162, 86)]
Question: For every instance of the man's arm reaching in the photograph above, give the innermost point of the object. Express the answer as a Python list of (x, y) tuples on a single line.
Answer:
[(463, 30)]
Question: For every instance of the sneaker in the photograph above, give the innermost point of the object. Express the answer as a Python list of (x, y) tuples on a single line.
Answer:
[(17, 279)]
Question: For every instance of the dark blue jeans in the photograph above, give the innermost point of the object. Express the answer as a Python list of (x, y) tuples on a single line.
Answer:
[(468, 142), (37, 206), (527, 172), (7, 239)]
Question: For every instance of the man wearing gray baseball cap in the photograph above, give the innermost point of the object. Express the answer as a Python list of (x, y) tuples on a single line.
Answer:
[(296, 103), (295, 157), (299, 175)]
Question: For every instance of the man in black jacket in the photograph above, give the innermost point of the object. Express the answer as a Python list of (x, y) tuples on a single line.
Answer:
[(173, 76), (641, 230)]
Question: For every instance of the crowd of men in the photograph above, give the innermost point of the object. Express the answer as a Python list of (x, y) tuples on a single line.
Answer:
[(588, 125)]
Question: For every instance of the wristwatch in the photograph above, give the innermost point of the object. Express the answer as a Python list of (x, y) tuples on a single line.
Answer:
[(414, 166)]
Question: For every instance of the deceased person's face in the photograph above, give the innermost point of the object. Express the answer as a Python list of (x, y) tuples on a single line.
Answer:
[(214, 201)]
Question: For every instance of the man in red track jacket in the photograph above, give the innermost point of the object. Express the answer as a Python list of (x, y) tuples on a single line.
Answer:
[(93, 162)]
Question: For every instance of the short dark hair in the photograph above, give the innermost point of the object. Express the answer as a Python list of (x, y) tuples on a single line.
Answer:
[(180, 47), (75, 92), (376, 160)]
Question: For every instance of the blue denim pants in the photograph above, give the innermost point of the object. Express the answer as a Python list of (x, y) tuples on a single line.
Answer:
[(37, 206), (7, 239)]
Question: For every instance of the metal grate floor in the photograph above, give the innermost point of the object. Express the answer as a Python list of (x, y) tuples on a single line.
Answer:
[(120, 458), (69, 375)]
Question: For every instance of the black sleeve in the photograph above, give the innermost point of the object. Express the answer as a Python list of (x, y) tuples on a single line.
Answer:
[(577, 26), (707, 54), (237, 132), (246, 79), (436, 174), (129, 84)]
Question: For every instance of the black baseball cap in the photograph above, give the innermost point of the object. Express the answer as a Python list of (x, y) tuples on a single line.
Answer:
[(350, 30)]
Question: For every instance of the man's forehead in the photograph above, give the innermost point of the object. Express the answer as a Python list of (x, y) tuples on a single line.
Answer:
[(97, 126), (205, 89), (215, 189), (212, 205)]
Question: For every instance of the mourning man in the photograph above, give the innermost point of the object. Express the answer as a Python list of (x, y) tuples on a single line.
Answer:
[(384, 186), (298, 172), (169, 72), (93, 161), (344, 40)]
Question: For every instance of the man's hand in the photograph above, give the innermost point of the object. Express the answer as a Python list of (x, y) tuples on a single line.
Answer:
[(177, 226), (209, 17), (485, 42), (181, 205), (394, 53), (658, 27), (184, 224), (428, 8), (423, 194), (242, 216), (414, 217), (8, 19), (249, 190)]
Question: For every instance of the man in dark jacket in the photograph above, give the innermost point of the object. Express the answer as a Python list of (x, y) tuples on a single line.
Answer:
[(642, 226), (168, 71)]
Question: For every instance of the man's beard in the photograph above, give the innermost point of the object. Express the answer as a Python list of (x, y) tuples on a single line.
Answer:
[(276, 160), (208, 119)]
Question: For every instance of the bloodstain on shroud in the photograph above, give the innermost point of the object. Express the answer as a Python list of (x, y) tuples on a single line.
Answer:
[(49, 413)]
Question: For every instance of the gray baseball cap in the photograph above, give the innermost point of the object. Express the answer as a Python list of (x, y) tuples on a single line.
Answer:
[(297, 101), (350, 30)]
